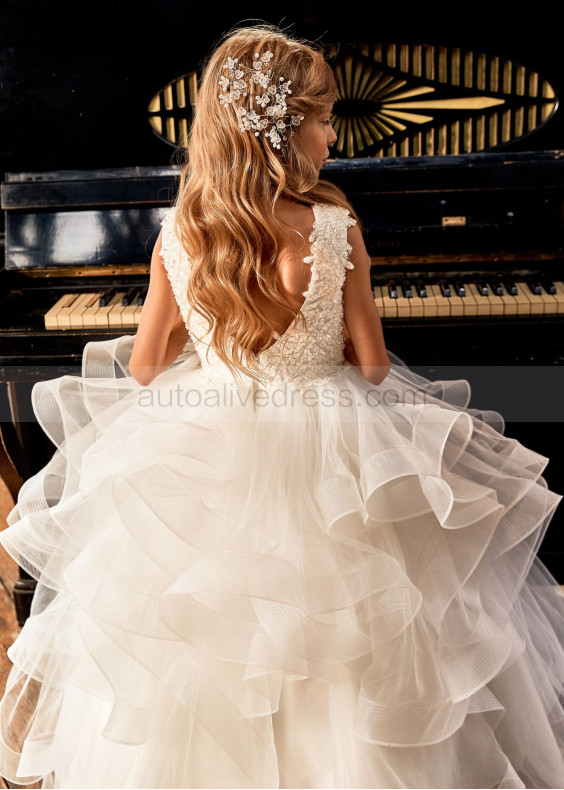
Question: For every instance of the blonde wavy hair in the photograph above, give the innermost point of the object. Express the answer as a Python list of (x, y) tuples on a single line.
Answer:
[(229, 184)]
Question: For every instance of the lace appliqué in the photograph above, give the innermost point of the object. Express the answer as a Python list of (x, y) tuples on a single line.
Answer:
[(302, 355), (315, 354)]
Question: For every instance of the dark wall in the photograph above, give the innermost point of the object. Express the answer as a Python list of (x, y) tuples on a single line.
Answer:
[(76, 77)]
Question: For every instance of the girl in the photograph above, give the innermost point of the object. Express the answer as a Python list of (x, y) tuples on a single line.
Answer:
[(268, 554)]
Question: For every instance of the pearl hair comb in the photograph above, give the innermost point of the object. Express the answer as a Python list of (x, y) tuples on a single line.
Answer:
[(275, 95)]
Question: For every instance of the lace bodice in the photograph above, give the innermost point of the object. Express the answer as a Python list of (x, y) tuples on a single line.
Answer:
[(301, 355)]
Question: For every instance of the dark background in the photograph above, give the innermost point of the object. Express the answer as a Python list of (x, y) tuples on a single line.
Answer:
[(76, 79)]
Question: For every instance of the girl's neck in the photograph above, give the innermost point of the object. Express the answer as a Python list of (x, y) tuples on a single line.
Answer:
[(288, 202)]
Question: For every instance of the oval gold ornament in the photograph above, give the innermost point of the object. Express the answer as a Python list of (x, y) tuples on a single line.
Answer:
[(405, 100)]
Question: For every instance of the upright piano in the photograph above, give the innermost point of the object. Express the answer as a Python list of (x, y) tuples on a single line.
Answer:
[(467, 269)]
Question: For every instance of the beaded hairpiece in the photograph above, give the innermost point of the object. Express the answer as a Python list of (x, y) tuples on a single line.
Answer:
[(276, 94)]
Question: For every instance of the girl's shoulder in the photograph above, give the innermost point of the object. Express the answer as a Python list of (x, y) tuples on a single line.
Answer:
[(294, 210)]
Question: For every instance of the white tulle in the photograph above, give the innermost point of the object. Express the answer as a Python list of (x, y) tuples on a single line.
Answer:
[(329, 592)]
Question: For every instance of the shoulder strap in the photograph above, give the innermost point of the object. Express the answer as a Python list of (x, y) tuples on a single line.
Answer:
[(170, 245), (176, 264), (331, 231), (347, 221)]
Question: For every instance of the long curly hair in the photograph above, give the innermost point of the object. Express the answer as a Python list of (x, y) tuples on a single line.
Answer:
[(229, 184)]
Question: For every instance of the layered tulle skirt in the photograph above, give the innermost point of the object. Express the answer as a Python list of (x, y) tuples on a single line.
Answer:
[(331, 587)]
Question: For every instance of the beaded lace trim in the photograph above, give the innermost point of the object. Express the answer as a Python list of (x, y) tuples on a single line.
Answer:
[(301, 355), (176, 263)]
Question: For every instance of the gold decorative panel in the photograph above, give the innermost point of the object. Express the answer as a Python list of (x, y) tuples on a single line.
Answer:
[(170, 110), (405, 100)]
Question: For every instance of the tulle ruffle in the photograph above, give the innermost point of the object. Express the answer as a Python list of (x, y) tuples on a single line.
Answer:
[(337, 589)]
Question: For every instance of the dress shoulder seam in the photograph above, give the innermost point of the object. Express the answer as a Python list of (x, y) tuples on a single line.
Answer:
[(348, 222)]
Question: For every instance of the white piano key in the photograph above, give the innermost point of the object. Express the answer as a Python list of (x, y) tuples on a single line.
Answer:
[(443, 304), (377, 291), (469, 304), (89, 314), (482, 302), (75, 316), (63, 316), (417, 306), (115, 314), (534, 300), (128, 316), (559, 296), (101, 317), (456, 304), (430, 306), (523, 304), (403, 304), (509, 302), (550, 304), (553, 303), (50, 317), (390, 304), (496, 304)]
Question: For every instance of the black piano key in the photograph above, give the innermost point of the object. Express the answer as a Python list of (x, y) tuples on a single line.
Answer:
[(393, 290), (445, 288), (497, 286), (482, 287), (534, 286), (510, 287), (548, 285), (106, 297), (460, 289), (128, 297), (407, 289), (142, 296), (489, 286), (421, 288)]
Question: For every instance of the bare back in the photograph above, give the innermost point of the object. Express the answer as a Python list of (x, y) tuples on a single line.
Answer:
[(294, 274)]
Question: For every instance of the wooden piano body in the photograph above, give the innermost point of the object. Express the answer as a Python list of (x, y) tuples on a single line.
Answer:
[(449, 237)]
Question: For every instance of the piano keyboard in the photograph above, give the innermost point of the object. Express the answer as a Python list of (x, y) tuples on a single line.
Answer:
[(501, 297), (97, 310), (396, 300)]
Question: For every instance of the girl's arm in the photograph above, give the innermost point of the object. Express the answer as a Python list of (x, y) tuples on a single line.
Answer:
[(364, 339), (349, 351), (161, 334)]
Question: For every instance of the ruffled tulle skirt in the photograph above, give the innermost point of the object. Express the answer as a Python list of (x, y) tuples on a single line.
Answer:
[(333, 587)]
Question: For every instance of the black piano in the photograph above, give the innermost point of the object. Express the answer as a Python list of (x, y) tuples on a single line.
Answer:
[(467, 269)]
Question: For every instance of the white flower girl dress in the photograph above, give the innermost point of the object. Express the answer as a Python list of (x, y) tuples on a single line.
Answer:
[(315, 583)]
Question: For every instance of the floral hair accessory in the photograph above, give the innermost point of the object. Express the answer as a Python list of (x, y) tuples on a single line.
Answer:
[(274, 96)]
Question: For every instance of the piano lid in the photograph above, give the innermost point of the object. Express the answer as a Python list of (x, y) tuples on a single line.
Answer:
[(84, 218), (492, 204)]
